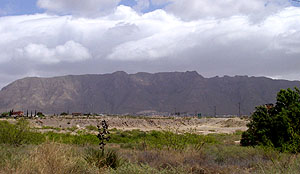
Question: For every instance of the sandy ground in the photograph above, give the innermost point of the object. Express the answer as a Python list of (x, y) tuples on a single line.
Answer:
[(200, 126)]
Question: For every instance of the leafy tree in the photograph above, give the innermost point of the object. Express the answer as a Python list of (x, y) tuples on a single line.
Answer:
[(5, 114), (277, 127), (64, 114), (40, 114)]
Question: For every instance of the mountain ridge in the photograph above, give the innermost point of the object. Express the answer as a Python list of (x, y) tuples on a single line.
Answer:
[(120, 92)]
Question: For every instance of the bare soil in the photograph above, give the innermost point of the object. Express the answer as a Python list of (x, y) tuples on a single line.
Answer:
[(200, 126)]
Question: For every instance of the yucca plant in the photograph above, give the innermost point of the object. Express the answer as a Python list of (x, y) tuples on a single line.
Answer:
[(102, 159), (103, 135)]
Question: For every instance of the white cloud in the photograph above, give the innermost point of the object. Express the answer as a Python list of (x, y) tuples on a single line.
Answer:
[(127, 35), (157, 41), (285, 29), (79, 7), (195, 9), (70, 52)]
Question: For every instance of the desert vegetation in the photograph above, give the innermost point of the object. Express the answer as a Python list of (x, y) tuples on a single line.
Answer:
[(26, 150), (270, 145)]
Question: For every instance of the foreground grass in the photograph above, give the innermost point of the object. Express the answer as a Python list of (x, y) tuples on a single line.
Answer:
[(45, 158), (23, 150), (51, 157)]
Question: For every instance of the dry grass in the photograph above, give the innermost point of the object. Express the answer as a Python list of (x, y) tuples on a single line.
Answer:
[(211, 159), (189, 161), (52, 158)]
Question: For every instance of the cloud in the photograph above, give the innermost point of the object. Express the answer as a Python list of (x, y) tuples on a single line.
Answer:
[(161, 40), (173, 36), (196, 9), (79, 7), (69, 52)]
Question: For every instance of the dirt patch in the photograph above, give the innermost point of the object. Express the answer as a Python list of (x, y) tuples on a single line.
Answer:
[(234, 122), (200, 126)]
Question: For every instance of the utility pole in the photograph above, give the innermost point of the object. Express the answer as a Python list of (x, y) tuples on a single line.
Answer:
[(239, 109), (215, 110)]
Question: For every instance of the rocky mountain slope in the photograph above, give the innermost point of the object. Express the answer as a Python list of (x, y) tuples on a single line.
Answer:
[(120, 92)]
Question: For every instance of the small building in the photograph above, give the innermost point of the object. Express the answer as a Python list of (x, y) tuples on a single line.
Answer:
[(17, 114)]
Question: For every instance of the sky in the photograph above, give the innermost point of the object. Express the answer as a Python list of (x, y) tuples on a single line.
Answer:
[(46, 38)]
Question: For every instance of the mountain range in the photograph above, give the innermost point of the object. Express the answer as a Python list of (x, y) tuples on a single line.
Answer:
[(120, 93)]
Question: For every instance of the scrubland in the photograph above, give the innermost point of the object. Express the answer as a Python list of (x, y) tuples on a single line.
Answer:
[(26, 148)]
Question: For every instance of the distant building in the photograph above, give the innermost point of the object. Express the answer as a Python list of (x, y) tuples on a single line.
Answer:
[(17, 114)]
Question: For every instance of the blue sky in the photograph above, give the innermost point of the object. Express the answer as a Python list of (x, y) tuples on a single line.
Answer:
[(213, 37), (295, 2), (20, 7)]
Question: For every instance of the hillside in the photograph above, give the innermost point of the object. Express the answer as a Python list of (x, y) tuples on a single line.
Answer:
[(120, 92)]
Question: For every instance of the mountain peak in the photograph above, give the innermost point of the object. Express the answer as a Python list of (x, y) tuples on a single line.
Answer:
[(120, 92)]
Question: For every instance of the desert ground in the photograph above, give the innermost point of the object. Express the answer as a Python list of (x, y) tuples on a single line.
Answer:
[(183, 124)]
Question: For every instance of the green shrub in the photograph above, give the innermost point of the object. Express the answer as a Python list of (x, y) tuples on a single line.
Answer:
[(91, 128), (64, 114), (278, 126), (19, 133), (40, 114), (162, 139), (5, 114), (101, 159), (67, 138), (72, 129)]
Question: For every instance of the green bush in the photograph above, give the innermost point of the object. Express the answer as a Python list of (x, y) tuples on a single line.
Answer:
[(64, 114), (18, 134), (278, 126), (5, 114), (40, 114), (161, 139), (72, 129), (102, 159), (91, 128), (67, 138)]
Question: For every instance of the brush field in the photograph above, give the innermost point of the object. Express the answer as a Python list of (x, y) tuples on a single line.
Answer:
[(137, 145)]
